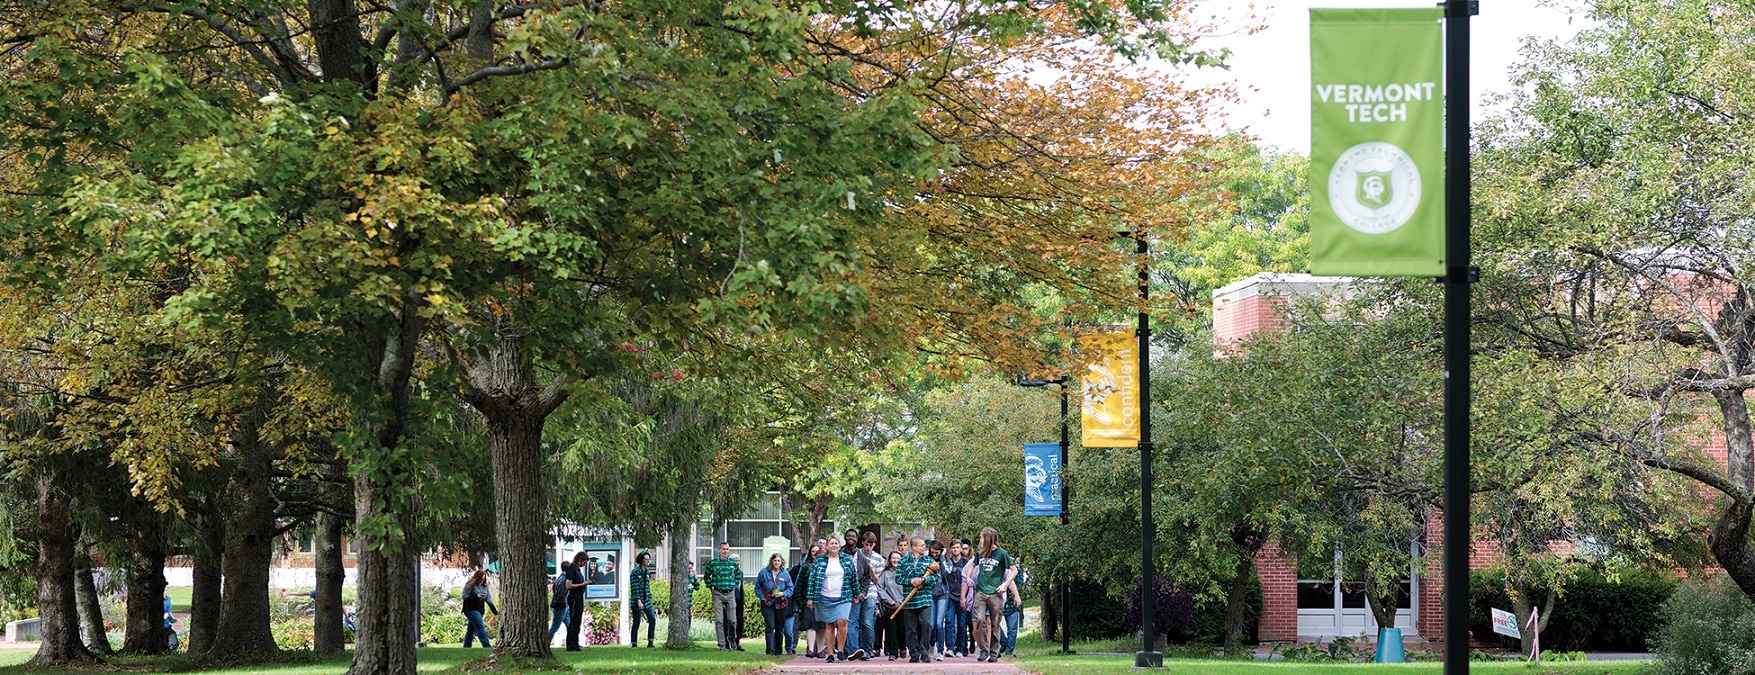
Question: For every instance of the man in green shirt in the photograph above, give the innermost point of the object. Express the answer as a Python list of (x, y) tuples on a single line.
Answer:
[(994, 569), (915, 572), (723, 578)]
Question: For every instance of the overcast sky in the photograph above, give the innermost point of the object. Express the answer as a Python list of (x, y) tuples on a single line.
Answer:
[(1272, 67)]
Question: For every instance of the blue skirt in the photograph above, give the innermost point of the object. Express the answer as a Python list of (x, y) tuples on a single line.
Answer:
[(830, 612)]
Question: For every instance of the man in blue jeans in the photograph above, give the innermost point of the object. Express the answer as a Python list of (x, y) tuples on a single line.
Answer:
[(942, 600), (862, 625), (950, 616)]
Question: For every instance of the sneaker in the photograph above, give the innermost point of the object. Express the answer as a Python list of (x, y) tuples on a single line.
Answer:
[(858, 654)]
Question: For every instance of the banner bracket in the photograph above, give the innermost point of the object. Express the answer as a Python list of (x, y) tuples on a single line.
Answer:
[(1461, 275), (1474, 8)]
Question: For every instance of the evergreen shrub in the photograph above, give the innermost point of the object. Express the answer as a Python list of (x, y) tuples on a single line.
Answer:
[(1709, 628), (1597, 610)]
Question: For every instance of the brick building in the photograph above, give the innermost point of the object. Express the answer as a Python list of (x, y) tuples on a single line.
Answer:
[(1308, 600)]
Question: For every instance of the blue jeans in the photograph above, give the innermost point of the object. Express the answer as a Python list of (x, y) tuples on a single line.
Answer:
[(476, 629), (791, 632), (561, 616), (942, 612), (1013, 622), (865, 614), (645, 610)]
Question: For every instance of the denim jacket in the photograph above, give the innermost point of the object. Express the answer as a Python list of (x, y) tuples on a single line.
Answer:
[(768, 581)]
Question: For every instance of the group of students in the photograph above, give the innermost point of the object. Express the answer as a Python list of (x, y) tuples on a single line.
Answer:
[(924, 601)]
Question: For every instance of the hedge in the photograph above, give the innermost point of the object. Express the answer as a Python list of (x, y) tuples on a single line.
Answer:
[(1598, 610)]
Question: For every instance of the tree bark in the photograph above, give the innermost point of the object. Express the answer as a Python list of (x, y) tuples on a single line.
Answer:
[(335, 28), (503, 389), (329, 634), (1051, 612), (388, 621), (55, 594), (1237, 600), (680, 551), (91, 611), (145, 633), (249, 551), (1520, 610), (205, 601)]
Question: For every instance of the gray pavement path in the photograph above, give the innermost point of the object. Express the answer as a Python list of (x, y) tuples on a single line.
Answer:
[(883, 664)]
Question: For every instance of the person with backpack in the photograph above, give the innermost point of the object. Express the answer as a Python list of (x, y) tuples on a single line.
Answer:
[(475, 595), (575, 600), (557, 600), (640, 596)]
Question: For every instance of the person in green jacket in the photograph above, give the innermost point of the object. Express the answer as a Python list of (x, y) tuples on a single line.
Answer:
[(917, 572), (640, 597), (723, 579)]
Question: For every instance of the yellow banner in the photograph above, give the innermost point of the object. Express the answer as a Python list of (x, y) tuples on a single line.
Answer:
[(1111, 410)]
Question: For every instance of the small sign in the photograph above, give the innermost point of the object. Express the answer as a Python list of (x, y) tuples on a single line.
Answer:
[(1505, 623)]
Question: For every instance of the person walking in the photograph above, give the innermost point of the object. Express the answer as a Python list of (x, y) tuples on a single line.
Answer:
[(640, 597), (575, 600), (863, 625), (735, 558), (774, 588), (557, 600), (835, 589), (949, 608), (915, 575), (995, 569), (802, 616), (1014, 613), (941, 601), (723, 578), (887, 635), (475, 595)]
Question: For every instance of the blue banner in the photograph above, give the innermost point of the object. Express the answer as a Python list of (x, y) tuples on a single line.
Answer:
[(1042, 494)]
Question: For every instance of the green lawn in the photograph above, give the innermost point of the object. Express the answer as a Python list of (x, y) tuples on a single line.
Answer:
[(703, 660)]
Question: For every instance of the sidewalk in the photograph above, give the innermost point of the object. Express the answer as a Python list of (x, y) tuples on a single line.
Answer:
[(883, 664)]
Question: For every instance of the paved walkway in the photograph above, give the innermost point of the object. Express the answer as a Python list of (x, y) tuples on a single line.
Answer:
[(883, 664)]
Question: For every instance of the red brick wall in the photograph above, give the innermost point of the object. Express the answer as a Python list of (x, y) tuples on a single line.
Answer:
[(1279, 595), (1238, 319)]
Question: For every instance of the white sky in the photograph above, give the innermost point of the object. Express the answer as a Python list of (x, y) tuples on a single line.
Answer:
[(1272, 67)]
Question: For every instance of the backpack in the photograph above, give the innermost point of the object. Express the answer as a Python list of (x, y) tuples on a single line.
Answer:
[(559, 599)]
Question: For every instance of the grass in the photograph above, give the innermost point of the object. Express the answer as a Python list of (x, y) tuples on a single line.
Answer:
[(601, 659)]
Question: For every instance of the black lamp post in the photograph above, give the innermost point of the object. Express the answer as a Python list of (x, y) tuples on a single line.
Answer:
[(1147, 657), (1065, 499)]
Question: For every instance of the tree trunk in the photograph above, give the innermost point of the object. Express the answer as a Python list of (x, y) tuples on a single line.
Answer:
[(1050, 594), (55, 594), (91, 612), (249, 551), (503, 389), (388, 621), (145, 633), (680, 551), (205, 601), (329, 634), (1382, 608), (1730, 536), (1520, 610), (1237, 600)]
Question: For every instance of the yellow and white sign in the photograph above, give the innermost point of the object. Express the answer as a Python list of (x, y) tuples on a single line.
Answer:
[(1110, 412)]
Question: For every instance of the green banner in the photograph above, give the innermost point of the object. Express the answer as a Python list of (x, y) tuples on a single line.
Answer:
[(1377, 142)]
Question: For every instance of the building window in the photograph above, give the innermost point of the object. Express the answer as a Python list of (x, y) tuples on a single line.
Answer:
[(763, 519)]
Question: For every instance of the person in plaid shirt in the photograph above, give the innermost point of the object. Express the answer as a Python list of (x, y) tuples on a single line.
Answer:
[(915, 574), (723, 579), (640, 596)]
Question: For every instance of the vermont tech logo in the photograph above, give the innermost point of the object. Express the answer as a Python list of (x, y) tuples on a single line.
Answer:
[(1374, 187)]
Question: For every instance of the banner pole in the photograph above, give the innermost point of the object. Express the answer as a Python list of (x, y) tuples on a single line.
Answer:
[(1458, 275)]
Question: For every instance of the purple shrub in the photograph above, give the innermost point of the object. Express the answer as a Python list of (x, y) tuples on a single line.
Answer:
[(1172, 607)]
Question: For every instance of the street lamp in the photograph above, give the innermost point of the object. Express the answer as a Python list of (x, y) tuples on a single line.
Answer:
[(1147, 657), (1065, 498)]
